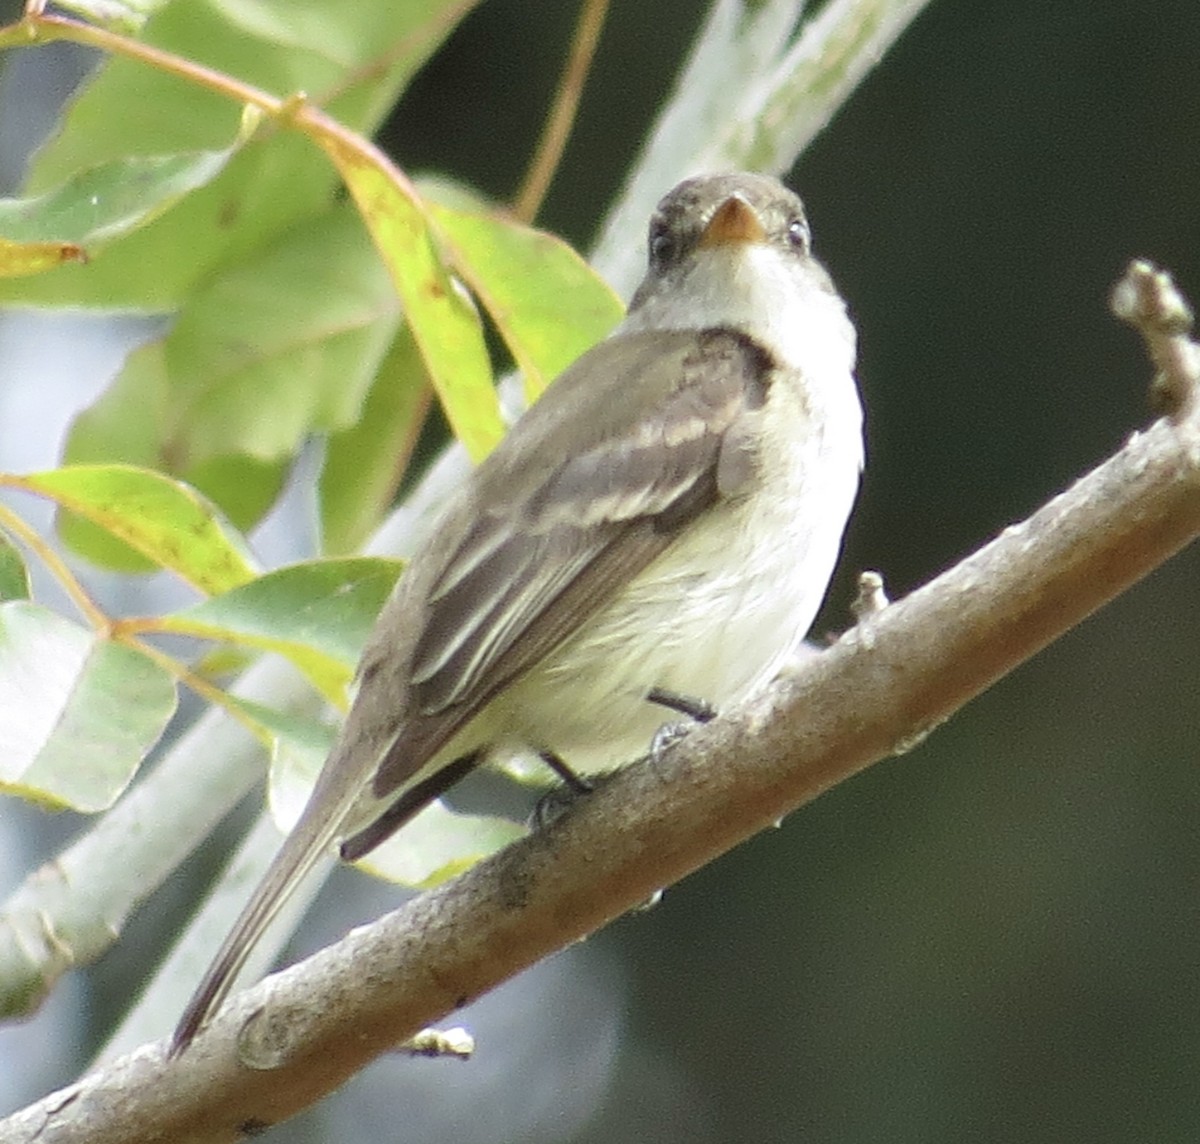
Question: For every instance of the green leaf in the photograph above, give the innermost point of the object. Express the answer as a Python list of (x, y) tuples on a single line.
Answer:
[(434, 846), (297, 756), (79, 712), (131, 423), (96, 206), (168, 523), (354, 59), (317, 613), (443, 321), (223, 661), (364, 463), (547, 303), (244, 487), (14, 576), (269, 352)]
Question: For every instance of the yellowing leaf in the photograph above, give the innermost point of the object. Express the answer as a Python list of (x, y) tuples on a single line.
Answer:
[(20, 258), (443, 321), (164, 520)]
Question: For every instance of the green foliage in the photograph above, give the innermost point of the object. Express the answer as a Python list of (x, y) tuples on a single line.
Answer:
[(228, 395), (76, 218), (190, 177), (317, 613), (544, 302)]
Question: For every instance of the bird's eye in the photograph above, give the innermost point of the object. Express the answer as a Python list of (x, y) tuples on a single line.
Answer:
[(662, 244), (798, 234)]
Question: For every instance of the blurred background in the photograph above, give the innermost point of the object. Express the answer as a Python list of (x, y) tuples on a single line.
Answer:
[(992, 938)]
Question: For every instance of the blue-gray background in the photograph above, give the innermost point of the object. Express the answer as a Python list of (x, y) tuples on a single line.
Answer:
[(993, 938)]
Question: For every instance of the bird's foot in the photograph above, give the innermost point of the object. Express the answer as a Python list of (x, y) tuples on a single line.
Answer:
[(696, 710), (557, 801)]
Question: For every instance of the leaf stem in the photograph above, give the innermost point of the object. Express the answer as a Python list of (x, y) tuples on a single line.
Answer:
[(36, 27), (121, 633), (295, 110), (57, 567), (561, 120)]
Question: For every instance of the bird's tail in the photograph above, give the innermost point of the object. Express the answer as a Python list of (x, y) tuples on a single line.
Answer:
[(312, 837)]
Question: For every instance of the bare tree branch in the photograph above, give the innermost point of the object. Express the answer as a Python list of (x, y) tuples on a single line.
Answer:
[(905, 668)]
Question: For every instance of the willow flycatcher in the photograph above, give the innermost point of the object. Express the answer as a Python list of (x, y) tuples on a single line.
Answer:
[(665, 518)]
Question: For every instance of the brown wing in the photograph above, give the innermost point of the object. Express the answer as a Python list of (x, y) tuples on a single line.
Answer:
[(552, 539)]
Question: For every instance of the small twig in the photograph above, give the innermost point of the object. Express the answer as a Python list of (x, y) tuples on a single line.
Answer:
[(36, 27), (209, 692), (296, 110), (1148, 300), (124, 631), (872, 597), (559, 122), (455, 1042)]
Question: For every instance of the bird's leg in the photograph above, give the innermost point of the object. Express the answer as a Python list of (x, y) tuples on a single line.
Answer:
[(555, 802), (577, 784), (697, 710)]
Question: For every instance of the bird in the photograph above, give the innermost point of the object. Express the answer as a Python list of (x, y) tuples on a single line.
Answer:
[(663, 521)]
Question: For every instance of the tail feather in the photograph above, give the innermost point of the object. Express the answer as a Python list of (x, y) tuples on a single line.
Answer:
[(312, 838)]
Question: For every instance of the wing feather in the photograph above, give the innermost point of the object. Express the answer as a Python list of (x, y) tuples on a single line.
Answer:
[(551, 540)]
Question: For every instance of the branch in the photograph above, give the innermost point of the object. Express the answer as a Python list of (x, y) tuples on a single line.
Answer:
[(905, 668)]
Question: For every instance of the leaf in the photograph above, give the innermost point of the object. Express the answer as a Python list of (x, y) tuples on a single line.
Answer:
[(130, 423), (434, 846), (297, 756), (244, 487), (267, 354), (163, 520), (317, 613), (364, 54), (79, 712), (14, 576), (301, 731), (547, 303), (439, 844), (97, 205), (223, 661), (364, 463), (444, 323), (271, 351)]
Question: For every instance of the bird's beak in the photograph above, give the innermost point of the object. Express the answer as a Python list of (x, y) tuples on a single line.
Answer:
[(734, 222)]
